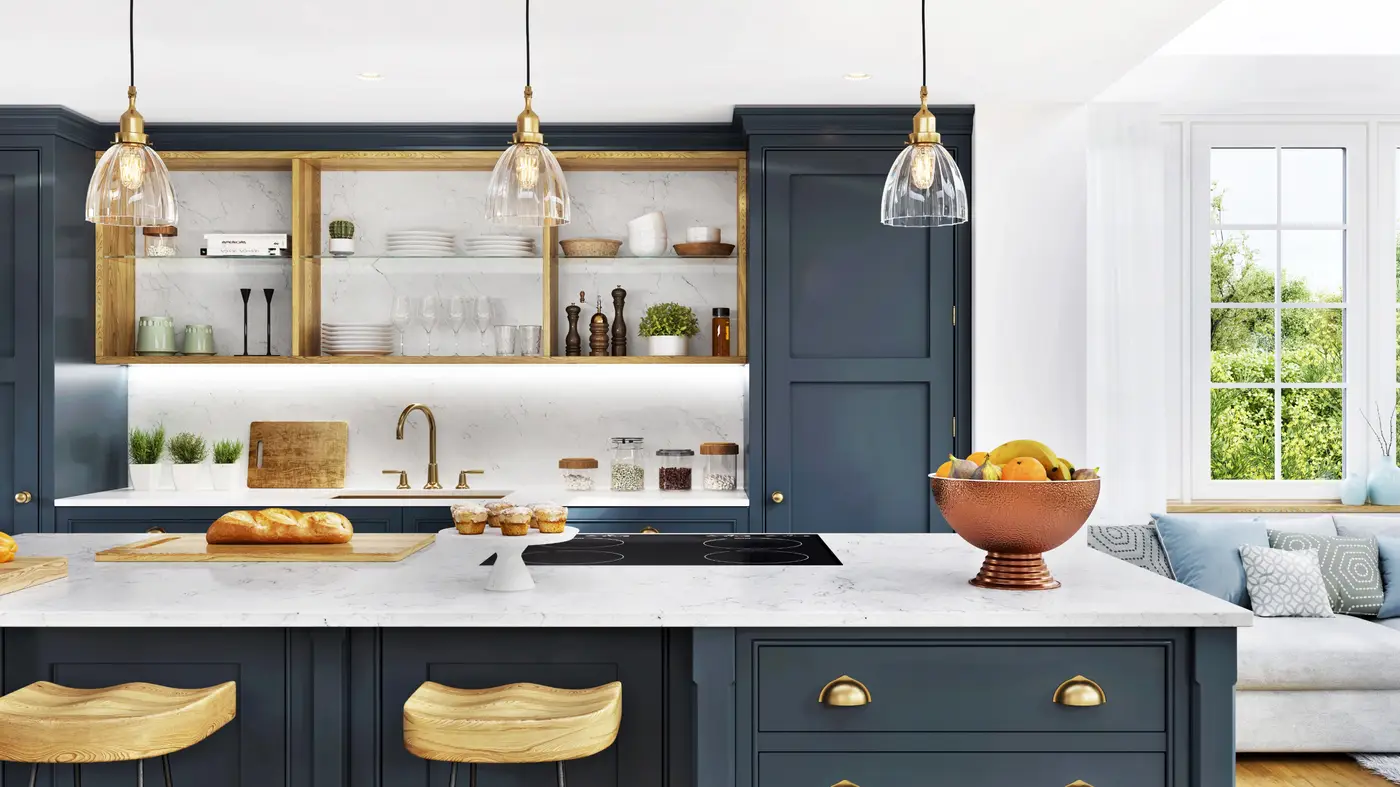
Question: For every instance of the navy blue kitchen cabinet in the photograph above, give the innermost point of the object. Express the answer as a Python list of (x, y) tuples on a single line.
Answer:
[(185, 519), (859, 375), (19, 345)]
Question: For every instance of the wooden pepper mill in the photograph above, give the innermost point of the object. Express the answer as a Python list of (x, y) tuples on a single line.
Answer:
[(573, 344), (598, 332), (619, 327)]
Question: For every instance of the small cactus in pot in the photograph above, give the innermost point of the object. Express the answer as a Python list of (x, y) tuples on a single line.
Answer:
[(342, 237)]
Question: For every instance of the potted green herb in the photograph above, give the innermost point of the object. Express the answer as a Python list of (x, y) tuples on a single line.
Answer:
[(667, 326), (227, 467), (342, 238), (144, 450), (188, 451)]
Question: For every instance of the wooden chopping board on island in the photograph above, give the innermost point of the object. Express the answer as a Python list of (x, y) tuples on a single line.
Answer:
[(26, 572), (192, 548), (297, 454)]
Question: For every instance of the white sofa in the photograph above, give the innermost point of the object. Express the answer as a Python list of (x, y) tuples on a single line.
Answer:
[(1320, 684)]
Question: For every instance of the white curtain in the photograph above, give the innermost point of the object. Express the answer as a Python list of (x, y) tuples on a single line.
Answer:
[(1125, 338)]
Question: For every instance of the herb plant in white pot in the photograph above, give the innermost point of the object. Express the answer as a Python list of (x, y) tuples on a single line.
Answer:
[(227, 467), (668, 327), (188, 451), (145, 448)]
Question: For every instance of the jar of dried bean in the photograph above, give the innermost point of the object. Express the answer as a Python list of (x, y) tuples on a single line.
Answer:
[(674, 473), (721, 466)]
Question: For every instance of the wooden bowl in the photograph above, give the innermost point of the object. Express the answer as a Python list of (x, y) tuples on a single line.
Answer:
[(1015, 521), (705, 249), (590, 247)]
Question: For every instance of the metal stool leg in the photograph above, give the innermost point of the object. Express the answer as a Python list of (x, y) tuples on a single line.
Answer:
[(452, 776), (471, 774), (33, 773), (561, 773), (140, 773), (77, 775), (165, 765)]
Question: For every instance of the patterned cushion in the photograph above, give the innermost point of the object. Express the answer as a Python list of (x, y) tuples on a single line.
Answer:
[(1284, 584), (1135, 544), (1350, 569)]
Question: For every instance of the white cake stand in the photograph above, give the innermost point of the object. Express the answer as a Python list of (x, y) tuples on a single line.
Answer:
[(510, 572)]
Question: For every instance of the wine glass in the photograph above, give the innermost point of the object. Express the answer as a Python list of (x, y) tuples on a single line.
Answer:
[(428, 317), (456, 318), (482, 316), (401, 315)]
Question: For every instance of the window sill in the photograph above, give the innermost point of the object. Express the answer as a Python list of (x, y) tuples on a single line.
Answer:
[(1274, 507)]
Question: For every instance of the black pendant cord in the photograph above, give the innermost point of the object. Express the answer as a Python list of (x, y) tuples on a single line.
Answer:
[(527, 41), (923, 36), (131, 39)]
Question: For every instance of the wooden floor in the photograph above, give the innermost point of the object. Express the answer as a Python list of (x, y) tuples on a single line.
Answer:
[(1317, 770)]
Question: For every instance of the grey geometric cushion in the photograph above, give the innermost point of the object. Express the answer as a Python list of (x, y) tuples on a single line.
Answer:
[(1284, 584), (1350, 569), (1135, 544)]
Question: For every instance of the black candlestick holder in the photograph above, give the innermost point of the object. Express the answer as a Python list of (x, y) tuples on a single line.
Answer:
[(267, 293), (246, 293)]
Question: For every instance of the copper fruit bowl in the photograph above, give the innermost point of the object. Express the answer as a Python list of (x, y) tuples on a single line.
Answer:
[(1015, 521)]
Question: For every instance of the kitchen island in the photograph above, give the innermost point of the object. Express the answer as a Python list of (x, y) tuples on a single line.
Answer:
[(721, 665)]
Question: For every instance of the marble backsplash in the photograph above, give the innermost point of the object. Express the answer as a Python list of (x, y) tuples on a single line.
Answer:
[(515, 422)]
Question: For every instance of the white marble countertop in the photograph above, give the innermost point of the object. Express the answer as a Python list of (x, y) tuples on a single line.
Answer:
[(886, 580), (313, 498)]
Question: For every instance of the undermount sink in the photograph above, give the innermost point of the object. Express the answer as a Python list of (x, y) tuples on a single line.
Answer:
[(447, 494)]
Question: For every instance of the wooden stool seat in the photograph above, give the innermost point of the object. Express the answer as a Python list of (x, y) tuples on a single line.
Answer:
[(46, 722), (519, 722)]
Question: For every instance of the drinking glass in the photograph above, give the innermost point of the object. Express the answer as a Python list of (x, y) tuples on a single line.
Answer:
[(401, 315), (456, 318), (527, 341), (428, 316), (482, 314), (505, 340)]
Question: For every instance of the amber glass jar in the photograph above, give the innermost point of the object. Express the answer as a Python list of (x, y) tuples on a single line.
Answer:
[(719, 333)]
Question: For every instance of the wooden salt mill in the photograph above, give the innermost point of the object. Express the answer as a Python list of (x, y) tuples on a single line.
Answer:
[(573, 344), (619, 327), (598, 332)]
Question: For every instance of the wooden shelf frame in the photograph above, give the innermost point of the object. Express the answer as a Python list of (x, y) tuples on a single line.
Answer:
[(116, 252)]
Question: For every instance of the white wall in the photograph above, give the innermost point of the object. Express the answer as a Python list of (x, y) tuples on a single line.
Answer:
[(1029, 294)]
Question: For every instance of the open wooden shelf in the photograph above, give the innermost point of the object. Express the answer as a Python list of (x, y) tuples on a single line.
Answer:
[(440, 360)]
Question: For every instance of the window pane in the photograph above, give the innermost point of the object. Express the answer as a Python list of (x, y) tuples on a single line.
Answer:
[(1313, 271), (1311, 420), (1312, 345), (1242, 266), (1244, 185), (1314, 185), (1242, 433), (1241, 345)]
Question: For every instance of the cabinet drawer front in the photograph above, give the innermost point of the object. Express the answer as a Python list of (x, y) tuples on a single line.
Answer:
[(992, 769), (962, 687)]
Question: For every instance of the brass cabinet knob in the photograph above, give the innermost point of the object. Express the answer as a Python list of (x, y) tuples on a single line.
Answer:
[(777, 497), (23, 497), (403, 478), (649, 530), (1080, 692), (462, 478), (844, 692), (157, 529)]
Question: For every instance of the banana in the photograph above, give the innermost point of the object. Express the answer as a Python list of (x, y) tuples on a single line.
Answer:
[(1062, 471), (1035, 450)]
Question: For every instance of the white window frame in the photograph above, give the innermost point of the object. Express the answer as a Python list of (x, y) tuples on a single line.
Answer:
[(1360, 363)]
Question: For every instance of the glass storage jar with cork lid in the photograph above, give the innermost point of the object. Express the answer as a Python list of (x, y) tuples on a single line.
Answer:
[(721, 466), (160, 241), (628, 464), (577, 473)]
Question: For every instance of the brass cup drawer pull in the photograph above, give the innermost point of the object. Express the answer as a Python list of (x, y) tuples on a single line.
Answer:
[(1080, 692), (845, 783), (1079, 783), (844, 692)]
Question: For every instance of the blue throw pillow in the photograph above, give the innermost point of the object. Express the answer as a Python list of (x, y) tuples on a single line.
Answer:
[(1205, 552), (1389, 547)]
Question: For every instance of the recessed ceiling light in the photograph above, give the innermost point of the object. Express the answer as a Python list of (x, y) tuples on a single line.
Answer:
[(370, 76), (857, 76)]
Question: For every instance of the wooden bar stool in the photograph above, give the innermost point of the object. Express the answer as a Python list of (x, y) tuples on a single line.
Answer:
[(516, 723), (48, 723)]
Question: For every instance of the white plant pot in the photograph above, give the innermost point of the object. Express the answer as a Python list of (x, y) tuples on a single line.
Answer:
[(188, 477), (144, 478), (228, 476), (667, 345), (342, 247)]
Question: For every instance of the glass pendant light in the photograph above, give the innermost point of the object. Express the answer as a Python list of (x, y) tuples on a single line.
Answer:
[(527, 186), (131, 186), (924, 187)]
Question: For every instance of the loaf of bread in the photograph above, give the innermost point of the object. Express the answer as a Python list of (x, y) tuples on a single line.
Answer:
[(280, 526)]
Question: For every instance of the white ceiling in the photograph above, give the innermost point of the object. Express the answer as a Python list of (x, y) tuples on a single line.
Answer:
[(605, 60)]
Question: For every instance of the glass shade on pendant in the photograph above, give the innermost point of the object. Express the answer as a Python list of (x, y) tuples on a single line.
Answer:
[(131, 188), (924, 189), (527, 188)]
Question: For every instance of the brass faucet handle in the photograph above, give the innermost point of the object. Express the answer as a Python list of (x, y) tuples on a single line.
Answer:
[(403, 477), (462, 478)]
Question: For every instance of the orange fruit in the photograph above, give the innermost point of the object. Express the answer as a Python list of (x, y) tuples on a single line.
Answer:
[(945, 469), (8, 548), (977, 458), (1023, 468)]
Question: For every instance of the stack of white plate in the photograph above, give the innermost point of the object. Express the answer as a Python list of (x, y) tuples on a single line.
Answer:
[(421, 243), (499, 246), (357, 338)]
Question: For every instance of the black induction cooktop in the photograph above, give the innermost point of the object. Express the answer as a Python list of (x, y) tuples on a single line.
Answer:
[(683, 549)]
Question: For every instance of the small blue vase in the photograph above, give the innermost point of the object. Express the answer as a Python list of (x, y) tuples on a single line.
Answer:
[(1384, 483), (1353, 490)]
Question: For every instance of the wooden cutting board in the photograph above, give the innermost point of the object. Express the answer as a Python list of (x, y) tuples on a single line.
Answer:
[(26, 572), (192, 548), (297, 454)]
